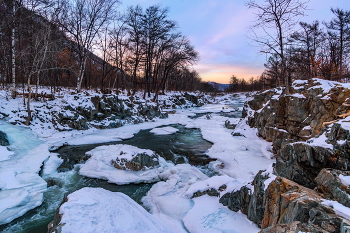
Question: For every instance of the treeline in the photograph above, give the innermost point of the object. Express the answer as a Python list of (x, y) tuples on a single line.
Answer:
[(316, 50), (88, 43), (242, 85), (300, 50)]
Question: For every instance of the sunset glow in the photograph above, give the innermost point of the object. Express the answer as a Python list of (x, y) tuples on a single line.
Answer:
[(219, 31)]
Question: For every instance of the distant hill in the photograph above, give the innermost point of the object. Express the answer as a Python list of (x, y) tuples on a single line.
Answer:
[(219, 86)]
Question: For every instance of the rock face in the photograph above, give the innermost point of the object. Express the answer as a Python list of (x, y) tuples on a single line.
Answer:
[(310, 133), (302, 114), (250, 203), (301, 162), (287, 202), (303, 129), (286, 206), (108, 109)]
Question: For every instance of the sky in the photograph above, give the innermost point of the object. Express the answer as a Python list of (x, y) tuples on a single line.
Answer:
[(219, 31)]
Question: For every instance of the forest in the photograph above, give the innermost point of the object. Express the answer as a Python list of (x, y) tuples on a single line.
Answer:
[(90, 44)]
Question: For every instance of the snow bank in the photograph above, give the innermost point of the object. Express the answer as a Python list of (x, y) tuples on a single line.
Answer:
[(237, 156), (320, 141), (166, 198), (345, 179), (21, 188), (338, 208), (214, 182), (272, 177), (99, 165), (5, 154), (209, 216), (99, 210), (51, 164)]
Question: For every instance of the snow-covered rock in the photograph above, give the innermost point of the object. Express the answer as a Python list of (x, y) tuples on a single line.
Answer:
[(116, 164), (99, 210)]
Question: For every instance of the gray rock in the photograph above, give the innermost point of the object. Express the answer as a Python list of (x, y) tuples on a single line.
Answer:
[(3, 139), (138, 162), (329, 183), (229, 125), (210, 192), (250, 203)]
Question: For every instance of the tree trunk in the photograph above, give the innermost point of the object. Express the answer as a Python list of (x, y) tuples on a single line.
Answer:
[(29, 117), (13, 58), (81, 73)]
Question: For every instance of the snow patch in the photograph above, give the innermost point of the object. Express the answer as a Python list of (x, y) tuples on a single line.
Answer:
[(164, 130), (5, 154), (99, 210), (209, 216), (345, 179), (338, 208), (214, 182), (272, 177)]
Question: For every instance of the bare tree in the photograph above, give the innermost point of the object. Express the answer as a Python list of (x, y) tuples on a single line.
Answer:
[(82, 20), (134, 26), (308, 42), (156, 28), (276, 18)]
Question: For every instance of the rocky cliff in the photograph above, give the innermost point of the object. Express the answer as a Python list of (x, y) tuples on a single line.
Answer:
[(310, 132), (309, 128)]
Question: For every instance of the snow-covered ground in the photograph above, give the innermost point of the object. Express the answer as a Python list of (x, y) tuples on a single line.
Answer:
[(239, 158)]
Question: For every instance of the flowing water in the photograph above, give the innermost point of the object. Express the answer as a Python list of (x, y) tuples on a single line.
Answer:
[(186, 145)]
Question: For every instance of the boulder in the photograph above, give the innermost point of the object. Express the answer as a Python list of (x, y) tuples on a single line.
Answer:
[(210, 192), (228, 125), (192, 98), (332, 187), (287, 202), (138, 162)]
